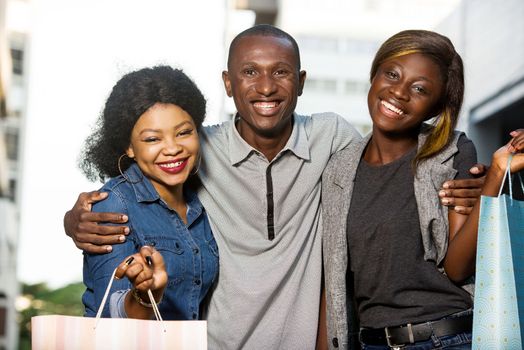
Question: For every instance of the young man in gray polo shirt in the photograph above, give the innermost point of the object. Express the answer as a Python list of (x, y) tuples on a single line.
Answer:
[(261, 189)]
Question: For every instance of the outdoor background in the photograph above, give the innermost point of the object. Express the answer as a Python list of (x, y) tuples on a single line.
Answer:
[(60, 58)]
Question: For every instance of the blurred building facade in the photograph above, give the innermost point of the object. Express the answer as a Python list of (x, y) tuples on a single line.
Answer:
[(489, 35), (12, 102)]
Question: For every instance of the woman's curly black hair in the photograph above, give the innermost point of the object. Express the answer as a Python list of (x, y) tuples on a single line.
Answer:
[(131, 97)]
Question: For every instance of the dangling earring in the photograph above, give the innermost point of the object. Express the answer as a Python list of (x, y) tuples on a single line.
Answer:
[(122, 173), (199, 161)]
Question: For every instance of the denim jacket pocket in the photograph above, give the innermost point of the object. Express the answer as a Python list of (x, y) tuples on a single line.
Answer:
[(172, 251)]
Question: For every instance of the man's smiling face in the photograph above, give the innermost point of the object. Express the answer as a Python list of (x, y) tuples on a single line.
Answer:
[(264, 80)]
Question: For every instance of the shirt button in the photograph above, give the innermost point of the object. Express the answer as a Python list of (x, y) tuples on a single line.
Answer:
[(197, 282), (196, 251), (335, 342)]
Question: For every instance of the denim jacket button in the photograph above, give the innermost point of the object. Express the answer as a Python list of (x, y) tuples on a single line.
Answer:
[(335, 342)]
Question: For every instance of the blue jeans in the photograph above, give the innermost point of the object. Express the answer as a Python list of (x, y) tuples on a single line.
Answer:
[(460, 341)]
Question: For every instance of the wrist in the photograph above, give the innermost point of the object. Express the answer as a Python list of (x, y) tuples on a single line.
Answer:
[(144, 300)]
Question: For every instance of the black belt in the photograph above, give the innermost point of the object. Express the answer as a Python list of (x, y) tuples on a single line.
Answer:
[(411, 333)]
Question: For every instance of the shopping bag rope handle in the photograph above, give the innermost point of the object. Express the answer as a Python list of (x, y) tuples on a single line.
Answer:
[(507, 174), (104, 299)]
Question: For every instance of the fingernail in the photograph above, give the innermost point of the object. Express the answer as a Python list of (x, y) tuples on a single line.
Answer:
[(445, 185), (475, 169), (122, 238), (109, 249), (124, 218), (126, 230), (459, 209), (130, 260), (445, 201), (442, 193), (149, 260)]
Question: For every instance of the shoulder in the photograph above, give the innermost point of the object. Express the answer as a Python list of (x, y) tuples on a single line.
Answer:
[(463, 142), (329, 124), (214, 132), (117, 195), (462, 145), (326, 118)]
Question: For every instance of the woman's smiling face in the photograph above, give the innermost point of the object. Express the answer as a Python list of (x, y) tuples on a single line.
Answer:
[(405, 91), (165, 145)]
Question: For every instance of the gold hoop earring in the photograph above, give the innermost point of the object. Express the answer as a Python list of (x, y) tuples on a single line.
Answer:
[(122, 173), (193, 171)]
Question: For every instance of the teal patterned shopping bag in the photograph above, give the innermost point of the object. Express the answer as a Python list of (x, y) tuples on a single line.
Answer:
[(498, 321)]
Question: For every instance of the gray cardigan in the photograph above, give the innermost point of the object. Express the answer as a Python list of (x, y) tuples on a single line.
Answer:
[(337, 188)]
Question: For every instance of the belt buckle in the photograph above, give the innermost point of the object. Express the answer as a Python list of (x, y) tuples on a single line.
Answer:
[(399, 346)]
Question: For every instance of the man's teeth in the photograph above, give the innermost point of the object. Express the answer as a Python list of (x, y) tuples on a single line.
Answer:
[(265, 104), (172, 165), (392, 108)]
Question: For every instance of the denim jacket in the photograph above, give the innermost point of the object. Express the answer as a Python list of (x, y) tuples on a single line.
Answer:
[(190, 252)]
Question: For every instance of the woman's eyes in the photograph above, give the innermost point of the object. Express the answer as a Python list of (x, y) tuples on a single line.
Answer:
[(419, 89), (185, 132), (391, 74), (181, 133)]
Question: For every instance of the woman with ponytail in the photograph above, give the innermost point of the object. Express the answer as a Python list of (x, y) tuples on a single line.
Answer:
[(398, 265)]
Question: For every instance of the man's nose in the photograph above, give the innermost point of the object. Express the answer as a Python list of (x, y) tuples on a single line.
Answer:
[(266, 84)]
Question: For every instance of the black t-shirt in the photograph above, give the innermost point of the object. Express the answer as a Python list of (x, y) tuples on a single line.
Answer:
[(393, 284)]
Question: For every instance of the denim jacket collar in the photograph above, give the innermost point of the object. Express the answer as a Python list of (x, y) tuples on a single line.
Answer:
[(146, 192)]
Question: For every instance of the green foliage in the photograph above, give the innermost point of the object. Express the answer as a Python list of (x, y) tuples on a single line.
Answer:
[(44, 301)]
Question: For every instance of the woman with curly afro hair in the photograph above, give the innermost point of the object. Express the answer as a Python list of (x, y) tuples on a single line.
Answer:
[(146, 146)]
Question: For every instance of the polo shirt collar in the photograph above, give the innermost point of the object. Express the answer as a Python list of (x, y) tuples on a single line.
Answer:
[(297, 143)]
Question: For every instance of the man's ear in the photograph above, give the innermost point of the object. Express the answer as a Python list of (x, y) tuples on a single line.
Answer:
[(227, 83), (301, 81)]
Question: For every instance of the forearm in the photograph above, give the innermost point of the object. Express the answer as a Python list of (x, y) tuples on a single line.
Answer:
[(459, 262)]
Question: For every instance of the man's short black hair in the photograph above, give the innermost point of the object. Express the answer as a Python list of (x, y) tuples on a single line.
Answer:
[(264, 30)]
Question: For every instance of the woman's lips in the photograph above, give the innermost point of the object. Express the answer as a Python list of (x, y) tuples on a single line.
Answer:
[(173, 167)]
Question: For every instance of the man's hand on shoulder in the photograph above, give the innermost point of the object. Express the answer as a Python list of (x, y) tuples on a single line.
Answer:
[(461, 195), (85, 227)]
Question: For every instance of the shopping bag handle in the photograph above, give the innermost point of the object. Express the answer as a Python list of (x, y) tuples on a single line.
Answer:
[(507, 174), (104, 299)]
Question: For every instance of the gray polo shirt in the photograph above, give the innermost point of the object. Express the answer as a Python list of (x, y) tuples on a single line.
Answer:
[(266, 219)]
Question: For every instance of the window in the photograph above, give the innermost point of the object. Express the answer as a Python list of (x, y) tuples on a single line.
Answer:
[(3, 323), (352, 87), (11, 140), (321, 85), (17, 57)]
